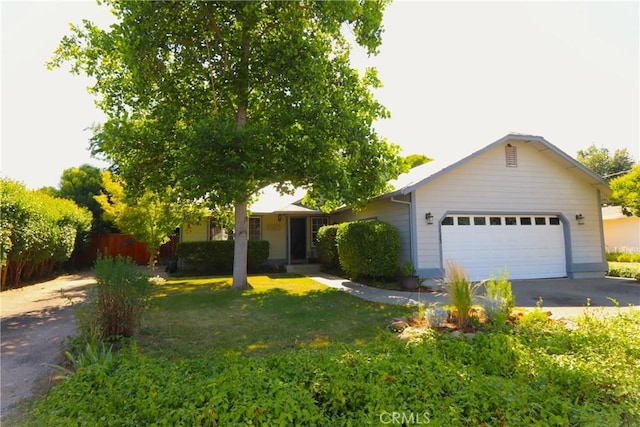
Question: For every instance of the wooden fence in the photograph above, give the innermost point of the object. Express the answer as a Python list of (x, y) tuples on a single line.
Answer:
[(114, 244)]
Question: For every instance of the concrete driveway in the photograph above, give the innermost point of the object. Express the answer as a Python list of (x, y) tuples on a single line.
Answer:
[(562, 297), (35, 323), (569, 297)]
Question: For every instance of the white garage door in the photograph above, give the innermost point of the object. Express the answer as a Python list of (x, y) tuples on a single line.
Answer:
[(527, 247)]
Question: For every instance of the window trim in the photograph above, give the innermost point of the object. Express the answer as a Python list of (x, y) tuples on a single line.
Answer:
[(250, 230)]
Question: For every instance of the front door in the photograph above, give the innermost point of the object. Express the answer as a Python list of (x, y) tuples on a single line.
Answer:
[(298, 239)]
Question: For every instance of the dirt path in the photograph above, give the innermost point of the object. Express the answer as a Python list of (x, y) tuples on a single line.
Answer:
[(35, 323)]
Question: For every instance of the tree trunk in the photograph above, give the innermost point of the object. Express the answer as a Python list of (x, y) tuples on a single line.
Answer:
[(240, 248)]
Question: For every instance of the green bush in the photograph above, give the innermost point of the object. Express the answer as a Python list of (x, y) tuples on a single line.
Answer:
[(623, 257), (216, 256), (122, 295), (368, 248), (37, 232), (498, 299), (327, 246), (544, 376), (622, 271)]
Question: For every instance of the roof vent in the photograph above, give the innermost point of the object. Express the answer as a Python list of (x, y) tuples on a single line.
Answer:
[(511, 156)]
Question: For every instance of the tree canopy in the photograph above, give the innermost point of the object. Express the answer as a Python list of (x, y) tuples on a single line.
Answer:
[(220, 99), (626, 191), (607, 165), (151, 217), (81, 184), (414, 160)]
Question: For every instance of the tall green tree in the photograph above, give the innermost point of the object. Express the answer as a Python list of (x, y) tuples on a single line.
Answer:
[(605, 164), (414, 160), (626, 191), (150, 217), (219, 99), (81, 184)]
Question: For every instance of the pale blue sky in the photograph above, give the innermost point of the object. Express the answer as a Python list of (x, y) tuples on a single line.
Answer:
[(457, 76)]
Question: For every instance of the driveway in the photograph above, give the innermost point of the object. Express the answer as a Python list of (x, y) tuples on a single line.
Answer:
[(562, 297), (35, 322)]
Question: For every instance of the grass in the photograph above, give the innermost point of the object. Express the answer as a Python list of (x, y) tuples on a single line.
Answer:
[(202, 317), (294, 352)]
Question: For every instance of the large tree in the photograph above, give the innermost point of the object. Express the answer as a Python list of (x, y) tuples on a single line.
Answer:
[(219, 99), (81, 184), (626, 191), (605, 164)]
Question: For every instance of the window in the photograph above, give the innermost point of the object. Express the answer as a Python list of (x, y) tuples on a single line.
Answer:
[(540, 220), (447, 220), (479, 220), (316, 224), (525, 220), (510, 220), (255, 229), (495, 220), (554, 221), (216, 232), (464, 220), (511, 156)]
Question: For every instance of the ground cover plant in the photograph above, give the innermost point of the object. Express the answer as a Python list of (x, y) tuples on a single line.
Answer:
[(629, 270), (291, 352)]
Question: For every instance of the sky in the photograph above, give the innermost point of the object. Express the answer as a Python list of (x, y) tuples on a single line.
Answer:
[(457, 76)]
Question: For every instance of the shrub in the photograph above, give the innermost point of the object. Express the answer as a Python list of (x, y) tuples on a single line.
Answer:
[(623, 257), (37, 231), (436, 316), (327, 247), (498, 299), (216, 256), (122, 295), (368, 248), (461, 292), (623, 271)]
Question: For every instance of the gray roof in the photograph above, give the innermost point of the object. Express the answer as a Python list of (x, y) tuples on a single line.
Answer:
[(422, 174)]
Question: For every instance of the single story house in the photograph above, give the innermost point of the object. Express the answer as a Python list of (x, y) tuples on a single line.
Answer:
[(290, 228), (520, 204), (621, 232)]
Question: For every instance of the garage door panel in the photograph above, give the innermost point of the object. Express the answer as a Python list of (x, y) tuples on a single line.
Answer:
[(533, 250)]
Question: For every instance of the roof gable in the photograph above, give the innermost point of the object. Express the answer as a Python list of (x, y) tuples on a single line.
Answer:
[(408, 182)]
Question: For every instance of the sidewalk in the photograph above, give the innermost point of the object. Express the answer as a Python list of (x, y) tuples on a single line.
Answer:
[(384, 296), (562, 297)]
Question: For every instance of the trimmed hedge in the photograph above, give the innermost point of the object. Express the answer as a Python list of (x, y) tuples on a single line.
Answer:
[(624, 271), (623, 257), (368, 248), (216, 256), (327, 246)]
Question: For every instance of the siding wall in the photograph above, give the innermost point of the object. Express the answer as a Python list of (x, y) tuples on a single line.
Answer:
[(396, 214), (539, 184), (195, 232)]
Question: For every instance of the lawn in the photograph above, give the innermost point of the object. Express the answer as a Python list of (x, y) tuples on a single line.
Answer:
[(203, 317), (293, 352)]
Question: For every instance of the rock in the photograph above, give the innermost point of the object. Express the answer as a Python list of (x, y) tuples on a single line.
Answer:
[(398, 325)]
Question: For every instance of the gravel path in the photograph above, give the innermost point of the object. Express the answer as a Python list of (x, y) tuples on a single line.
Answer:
[(35, 323)]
